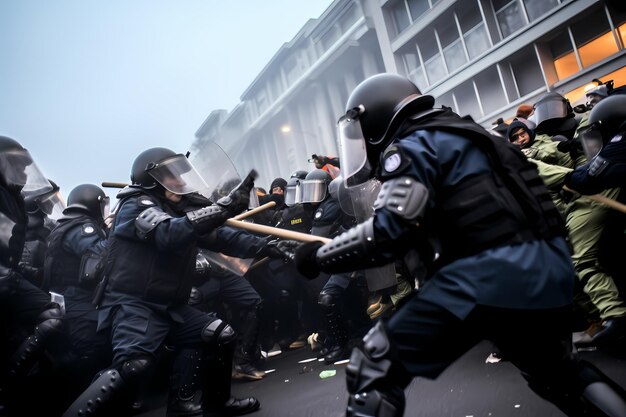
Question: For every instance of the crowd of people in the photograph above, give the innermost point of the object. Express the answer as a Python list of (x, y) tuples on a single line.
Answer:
[(427, 235)]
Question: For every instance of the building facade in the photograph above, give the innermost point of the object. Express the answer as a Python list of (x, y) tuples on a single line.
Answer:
[(480, 57)]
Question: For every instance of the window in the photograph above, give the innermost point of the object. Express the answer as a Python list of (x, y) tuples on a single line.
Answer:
[(509, 15), (490, 90), (473, 28), (476, 41), (418, 8), (446, 100), (467, 101), (413, 67), (400, 16), (563, 53), (433, 62), (453, 52), (526, 70), (537, 8), (593, 38)]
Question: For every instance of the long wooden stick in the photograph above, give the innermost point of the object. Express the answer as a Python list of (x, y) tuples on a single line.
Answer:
[(255, 210), (275, 231), (616, 205)]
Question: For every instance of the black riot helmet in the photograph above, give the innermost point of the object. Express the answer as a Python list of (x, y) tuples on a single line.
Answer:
[(375, 111), (606, 119), (315, 186), (17, 169), (163, 167), (301, 174), (88, 199), (553, 115)]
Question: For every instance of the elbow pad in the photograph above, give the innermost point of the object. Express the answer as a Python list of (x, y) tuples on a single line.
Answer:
[(207, 219), (148, 220), (403, 196), (351, 251)]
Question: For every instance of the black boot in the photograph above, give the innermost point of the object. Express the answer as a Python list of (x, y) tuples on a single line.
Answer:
[(337, 332), (247, 352), (217, 400)]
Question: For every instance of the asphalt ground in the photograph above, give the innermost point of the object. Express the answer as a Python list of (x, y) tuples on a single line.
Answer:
[(469, 388)]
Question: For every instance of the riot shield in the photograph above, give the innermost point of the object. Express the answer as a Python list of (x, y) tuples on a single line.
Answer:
[(221, 176), (358, 201), (219, 172)]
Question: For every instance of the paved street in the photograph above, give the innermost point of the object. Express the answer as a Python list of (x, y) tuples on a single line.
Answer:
[(470, 387)]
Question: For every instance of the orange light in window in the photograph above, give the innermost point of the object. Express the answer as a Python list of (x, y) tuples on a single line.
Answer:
[(566, 65), (597, 49)]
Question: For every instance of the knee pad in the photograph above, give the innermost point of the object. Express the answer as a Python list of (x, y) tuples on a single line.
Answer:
[(375, 378), (219, 332), (376, 365), (133, 369)]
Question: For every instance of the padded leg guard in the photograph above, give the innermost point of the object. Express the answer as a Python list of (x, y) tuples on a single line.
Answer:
[(29, 352), (99, 394), (185, 397), (375, 378), (107, 387), (250, 326)]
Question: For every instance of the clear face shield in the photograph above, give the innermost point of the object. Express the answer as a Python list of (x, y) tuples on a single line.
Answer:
[(293, 193), (359, 201), (177, 175), (314, 191), (355, 167), (591, 139), (51, 204), (18, 169), (552, 108), (105, 206)]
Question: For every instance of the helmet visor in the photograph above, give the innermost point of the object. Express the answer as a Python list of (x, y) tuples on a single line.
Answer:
[(550, 109), (18, 169), (177, 175), (293, 193), (591, 138), (314, 191), (52, 205), (354, 164)]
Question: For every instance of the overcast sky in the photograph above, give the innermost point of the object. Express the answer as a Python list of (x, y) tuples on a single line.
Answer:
[(86, 85)]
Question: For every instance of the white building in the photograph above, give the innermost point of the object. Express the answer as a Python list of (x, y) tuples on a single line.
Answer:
[(480, 57)]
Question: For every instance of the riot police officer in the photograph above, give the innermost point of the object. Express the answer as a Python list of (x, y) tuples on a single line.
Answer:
[(73, 257), (148, 273), (603, 142), (503, 268), (22, 305), (329, 221), (43, 207)]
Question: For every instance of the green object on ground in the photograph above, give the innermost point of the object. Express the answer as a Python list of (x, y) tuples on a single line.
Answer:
[(327, 374)]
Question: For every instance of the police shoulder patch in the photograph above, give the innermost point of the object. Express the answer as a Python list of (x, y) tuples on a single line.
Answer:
[(88, 229), (393, 161)]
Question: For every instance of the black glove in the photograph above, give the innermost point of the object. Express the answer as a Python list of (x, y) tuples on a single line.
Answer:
[(306, 259), (30, 272), (239, 198), (569, 145), (9, 281), (280, 249)]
